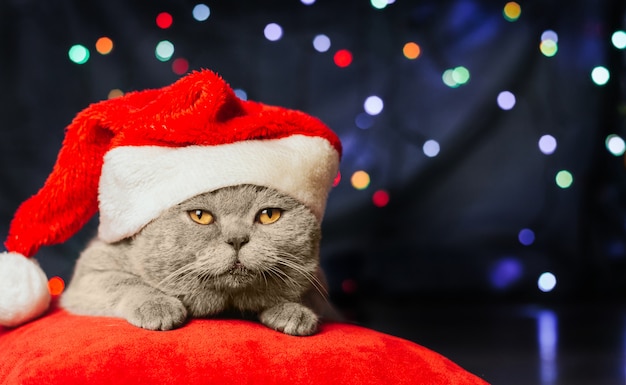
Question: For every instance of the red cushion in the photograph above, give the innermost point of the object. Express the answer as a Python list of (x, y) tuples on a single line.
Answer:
[(62, 348)]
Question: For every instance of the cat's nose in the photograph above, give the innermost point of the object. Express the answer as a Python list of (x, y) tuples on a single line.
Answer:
[(238, 242)]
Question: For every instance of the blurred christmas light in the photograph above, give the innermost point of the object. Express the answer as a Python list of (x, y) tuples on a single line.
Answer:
[(273, 32), (164, 50), (550, 35), (615, 145), (164, 20), (180, 66), (241, 94), (360, 180), (600, 75), (379, 4), (337, 179), (506, 100), (431, 148), (56, 285), (448, 79), (546, 282), (104, 45), (506, 272), (201, 12), (564, 179), (461, 75), (512, 11), (373, 105), (547, 144), (79, 54), (364, 121), (380, 198), (307, 2), (411, 50), (321, 43), (455, 77), (619, 39), (342, 58), (548, 47), (526, 237), (115, 93)]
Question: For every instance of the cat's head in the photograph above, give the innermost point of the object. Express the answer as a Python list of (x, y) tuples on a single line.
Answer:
[(235, 238)]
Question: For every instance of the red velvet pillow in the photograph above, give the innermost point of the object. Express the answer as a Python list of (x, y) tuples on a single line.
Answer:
[(62, 348)]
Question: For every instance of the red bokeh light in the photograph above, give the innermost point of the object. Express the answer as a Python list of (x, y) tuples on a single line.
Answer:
[(164, 20), (343, 58), (337, 179), (180, 66), (56, 285), (380, 198)]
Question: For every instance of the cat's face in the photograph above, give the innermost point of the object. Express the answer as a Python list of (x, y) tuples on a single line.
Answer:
[(235, 238)]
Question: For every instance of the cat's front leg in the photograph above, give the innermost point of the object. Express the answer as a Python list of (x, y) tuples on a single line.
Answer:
[(153, 311), (290, 318), (110, 293)]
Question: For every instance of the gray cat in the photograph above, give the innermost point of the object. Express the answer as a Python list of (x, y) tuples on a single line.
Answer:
[(243, 249)]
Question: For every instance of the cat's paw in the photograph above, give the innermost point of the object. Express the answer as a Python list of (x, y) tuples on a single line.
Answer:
[(159, 313), (290, 318)]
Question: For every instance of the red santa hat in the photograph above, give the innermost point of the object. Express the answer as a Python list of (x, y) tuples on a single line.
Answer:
[(132, 157)]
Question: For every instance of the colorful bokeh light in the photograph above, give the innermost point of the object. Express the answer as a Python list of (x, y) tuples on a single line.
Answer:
[(547, 144), (564, 179), (321, 43), (360, 180), (164, 50), (342, 58), (379, 4), (411, 50), (56, 285), (337, 179), (78, 54), (164, 20), (104, 45), (241, 94), (201, 12), (506, 100), (526, 237), (512, 11), (548, 47), (600, 75), (431, 148), (455, 77), (615, 145), (180, 66), (115, 93), (373, 105), (506, 272), (273, 32), (546, 282), (618, 38), (364, 121), (380, 198)]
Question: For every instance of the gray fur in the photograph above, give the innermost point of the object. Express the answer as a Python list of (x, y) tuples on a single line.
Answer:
[(175, 268)]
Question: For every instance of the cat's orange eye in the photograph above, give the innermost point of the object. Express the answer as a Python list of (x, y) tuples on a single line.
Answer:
[(268, 216), (201, 217)]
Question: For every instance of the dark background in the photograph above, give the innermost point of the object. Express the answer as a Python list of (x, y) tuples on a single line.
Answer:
[(449, 233)]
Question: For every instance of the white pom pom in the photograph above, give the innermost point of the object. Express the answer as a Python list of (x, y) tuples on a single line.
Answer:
[(24, 291)]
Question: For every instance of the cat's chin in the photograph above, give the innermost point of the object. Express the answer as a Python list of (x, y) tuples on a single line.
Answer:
[(238, 276)]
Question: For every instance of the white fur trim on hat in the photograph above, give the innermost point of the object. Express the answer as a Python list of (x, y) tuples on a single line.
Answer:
[(24, 293), (138, 183)]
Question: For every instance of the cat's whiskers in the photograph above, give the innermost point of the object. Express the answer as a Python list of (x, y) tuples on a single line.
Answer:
[(288, 262), (182, 274)]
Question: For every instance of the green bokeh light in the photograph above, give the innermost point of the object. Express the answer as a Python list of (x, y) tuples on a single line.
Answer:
[(78, 54), (564, 179)]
